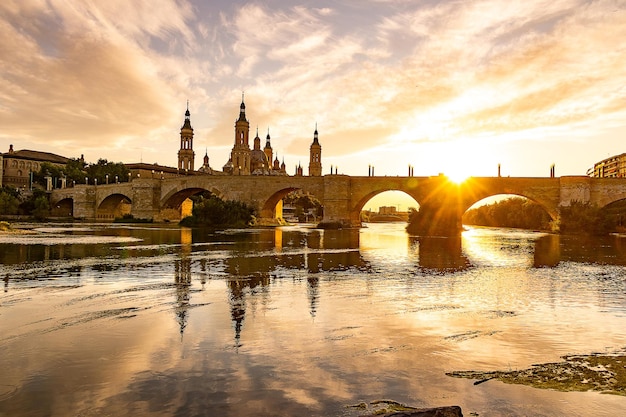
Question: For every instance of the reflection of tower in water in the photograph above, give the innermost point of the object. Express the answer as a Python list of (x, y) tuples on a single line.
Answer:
[(313, 294), (182, 278), (238, 287)]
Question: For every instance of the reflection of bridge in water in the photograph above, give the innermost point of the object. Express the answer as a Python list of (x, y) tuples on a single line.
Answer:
[(252, 262), (343, 197)]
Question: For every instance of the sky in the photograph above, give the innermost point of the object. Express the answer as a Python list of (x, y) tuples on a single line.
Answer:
[(454, 87)]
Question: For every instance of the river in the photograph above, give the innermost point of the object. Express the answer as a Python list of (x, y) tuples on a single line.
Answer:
[(111, 320)]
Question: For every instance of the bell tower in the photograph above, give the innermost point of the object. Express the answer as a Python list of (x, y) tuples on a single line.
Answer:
[(186, 155), (268, 148), (315, 160), (240, 154)]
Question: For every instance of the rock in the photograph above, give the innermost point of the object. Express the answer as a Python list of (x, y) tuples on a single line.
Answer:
[(450, 411)]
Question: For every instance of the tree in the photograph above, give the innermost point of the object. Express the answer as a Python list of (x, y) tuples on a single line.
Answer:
[(102, 168), (584, 218), (9, 200), (75, 170), (41, 208), (513, 212), (211, 211), (304, 204)]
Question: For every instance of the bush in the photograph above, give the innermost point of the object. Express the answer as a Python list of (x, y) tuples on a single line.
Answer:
[(513, 212), (9, 202), (214, 212), (584, 218)]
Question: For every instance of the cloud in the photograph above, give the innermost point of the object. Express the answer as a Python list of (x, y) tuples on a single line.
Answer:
[(75, 75), (83, 74)]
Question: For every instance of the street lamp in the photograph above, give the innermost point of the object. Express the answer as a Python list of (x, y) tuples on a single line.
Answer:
[(86, 180), (152, 174), (129, 174), (107, 178), (116, 180)]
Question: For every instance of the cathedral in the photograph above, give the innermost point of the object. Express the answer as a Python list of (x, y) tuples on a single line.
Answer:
[(243, 160)]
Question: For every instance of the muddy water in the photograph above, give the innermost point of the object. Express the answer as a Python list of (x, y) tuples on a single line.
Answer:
[(104, 320)]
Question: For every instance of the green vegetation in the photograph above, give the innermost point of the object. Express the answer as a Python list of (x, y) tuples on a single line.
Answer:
[(576, 219), (584, 218), (304, 204), (211, 211), (26, 203), (76, 170), (513, 212), (9, 200), (597, 372)]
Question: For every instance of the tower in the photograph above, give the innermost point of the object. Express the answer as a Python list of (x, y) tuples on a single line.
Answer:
[(240, 154), (315, 161), (186, 154), (268, 147)]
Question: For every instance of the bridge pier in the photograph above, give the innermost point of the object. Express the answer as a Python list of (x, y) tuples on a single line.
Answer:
[(84, 202), (146, 199), (337, 199)]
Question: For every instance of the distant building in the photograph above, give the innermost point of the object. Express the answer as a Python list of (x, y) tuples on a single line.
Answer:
[(16, 166), (386, 210), (612, 167), (257, 161), (186, 155), (143, 170)]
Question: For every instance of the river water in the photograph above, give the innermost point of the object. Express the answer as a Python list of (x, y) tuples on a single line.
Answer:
[(110, 320)]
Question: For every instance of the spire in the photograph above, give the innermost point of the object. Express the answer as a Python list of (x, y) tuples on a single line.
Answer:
[(187, 122), (242, 109), (315, 138)]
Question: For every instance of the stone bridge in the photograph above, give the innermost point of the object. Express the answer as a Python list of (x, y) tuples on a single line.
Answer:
[(342, 196)]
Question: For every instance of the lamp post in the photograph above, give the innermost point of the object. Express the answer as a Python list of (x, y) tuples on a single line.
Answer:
[(129, 174), (86, 180), (152, 174), (106, 177)]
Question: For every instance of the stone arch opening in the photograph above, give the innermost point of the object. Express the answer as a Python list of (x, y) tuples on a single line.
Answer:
[(114, 206), (63, 208), (390, 205), (179, 204), (615, 213), (292, 204), (510, 210)]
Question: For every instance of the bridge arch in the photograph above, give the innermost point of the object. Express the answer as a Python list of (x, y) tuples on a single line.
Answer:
[(407, 198), (542, 191), (63, 207), (268, 208), (113, 206), (551, 211), (177, 204), (175, 197)]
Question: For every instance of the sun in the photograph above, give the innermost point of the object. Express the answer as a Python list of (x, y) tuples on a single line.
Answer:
[(457, 176)]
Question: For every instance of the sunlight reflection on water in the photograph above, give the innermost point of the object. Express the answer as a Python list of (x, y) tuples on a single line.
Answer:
[(298, 321)]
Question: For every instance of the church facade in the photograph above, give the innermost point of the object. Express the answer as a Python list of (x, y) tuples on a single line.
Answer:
[(244, 160)]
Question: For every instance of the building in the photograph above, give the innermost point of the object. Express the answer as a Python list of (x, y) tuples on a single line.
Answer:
[(143, 170), (257, 161), (612, 167), (186, 155), (315, 156), (16, 166)]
